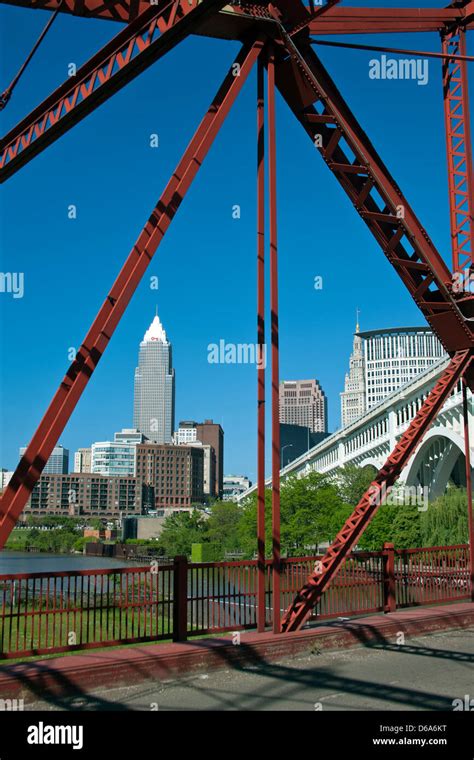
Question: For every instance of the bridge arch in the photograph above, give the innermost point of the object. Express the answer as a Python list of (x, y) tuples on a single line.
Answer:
[(439, 459), (371, 462)]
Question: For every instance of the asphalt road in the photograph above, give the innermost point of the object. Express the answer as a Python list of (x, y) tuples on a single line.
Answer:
[(427, 673)]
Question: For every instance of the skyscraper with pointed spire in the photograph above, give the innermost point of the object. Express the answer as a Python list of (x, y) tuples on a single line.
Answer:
[(153, 407), (353, 402)]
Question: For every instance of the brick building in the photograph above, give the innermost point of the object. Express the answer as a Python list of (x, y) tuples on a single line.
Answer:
[(176, 473), (85, 494)]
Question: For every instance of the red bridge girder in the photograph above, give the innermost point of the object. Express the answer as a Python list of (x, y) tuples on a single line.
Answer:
[(129, 53), (336, 20), (346, 149), (318, 105)]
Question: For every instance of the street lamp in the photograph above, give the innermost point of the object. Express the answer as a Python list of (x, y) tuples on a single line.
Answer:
[(286, 446)]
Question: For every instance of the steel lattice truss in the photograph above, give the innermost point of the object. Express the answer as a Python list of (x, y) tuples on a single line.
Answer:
[(277, 37)]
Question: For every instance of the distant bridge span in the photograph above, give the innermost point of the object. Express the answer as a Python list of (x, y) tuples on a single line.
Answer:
[(370, 439)]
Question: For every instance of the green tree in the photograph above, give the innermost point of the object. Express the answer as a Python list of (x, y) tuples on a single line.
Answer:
[(222, 526), (311, 512), (445, 521), (353, 482), (180, 531)]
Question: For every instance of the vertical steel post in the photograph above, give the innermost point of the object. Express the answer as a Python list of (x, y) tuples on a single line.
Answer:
[(470, 517), (459, 151), (275, 347), (180, 598), (261, 602), (389, 589)]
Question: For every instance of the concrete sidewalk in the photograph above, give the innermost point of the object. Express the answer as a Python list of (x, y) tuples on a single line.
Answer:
[(76, 673)]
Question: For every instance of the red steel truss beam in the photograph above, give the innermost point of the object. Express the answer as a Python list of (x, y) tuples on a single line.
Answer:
[(261, 365), (156, 30), (459, 151), (276, 458), (336, 20), (467, 456), (340, 20), (348, 152), (300, 610), (133, 50), (99, 335)]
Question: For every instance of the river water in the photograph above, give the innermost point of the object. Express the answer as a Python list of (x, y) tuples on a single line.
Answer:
[(31, 562)]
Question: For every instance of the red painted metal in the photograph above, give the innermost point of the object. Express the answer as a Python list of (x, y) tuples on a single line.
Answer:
[(129, 53), (459, 150), (390, 600), (299, 612), (349, 154), (276, 457), (6, 95), (261, 366), (398, 51), (470, 514), (151, 34), (337, 20), (114, 606), (31, 465)]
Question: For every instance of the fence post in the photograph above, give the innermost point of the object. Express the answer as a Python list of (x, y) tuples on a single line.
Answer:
[(180, 598), (389, 595)]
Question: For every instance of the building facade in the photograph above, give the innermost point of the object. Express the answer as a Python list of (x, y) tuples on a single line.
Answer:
[(296, 440), (85, 494), (82, 460), (353, 398), (117, 457), (176, 473), (209, 469), (186, 433), (154, 390), (303, 402), (234, 485), (394, 357), (58, 462), (381, 362), (211, 434)]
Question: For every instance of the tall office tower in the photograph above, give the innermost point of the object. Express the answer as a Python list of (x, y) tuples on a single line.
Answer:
[(82, 460), (394, 356), (58, 462), (303, 402), (153, 408), (353, 403)]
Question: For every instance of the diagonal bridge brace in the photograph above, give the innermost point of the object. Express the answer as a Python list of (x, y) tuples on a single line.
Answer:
[(71, 388), (346, 149), (145, 40), (300, 610)]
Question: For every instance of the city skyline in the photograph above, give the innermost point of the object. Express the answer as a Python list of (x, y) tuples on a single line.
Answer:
[(203, 294)]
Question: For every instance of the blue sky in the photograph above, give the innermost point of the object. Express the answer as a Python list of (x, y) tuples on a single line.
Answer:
[(206, 264)]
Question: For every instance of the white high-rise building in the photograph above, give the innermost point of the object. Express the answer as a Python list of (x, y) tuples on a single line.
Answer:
[(395, 356), (153, 409), (353, 402), (381, 362)]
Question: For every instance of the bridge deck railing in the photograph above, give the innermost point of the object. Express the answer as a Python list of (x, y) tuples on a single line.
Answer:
[(46, 613)]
